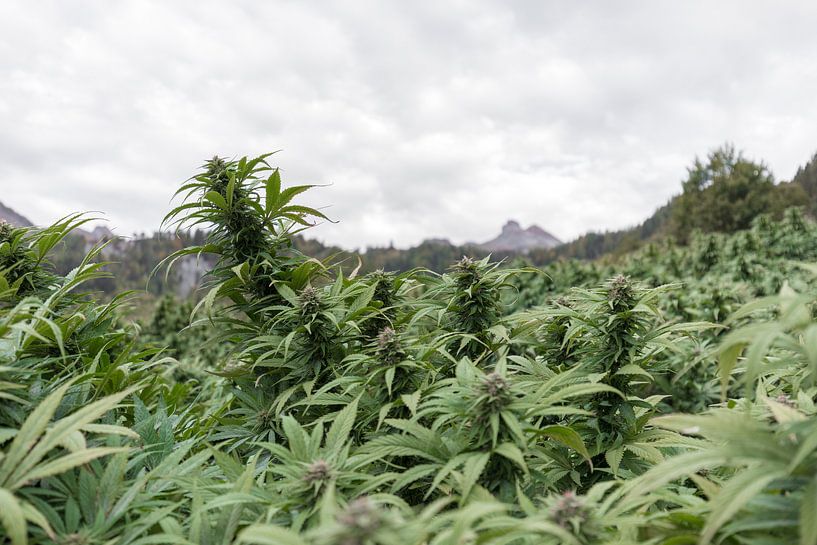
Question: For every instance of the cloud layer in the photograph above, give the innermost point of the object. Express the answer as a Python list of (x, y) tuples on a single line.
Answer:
[(427, 118)]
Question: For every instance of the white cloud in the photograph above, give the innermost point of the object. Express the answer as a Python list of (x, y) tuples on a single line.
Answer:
[(427, 118)]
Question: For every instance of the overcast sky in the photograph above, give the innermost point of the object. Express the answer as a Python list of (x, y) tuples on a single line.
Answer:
[(428, 119)]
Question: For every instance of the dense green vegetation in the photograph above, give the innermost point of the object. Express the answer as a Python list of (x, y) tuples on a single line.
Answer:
[(721, 194), (665, 397)]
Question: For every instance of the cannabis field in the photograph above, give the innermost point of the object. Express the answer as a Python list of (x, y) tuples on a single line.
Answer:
[(666, 397)]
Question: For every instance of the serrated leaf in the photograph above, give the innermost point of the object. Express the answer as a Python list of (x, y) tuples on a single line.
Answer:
[(296, 437), (217, 199), (30, 431), (411, 401), (633, 369), (512, 453), (726, 362), (734, 495), (471, 471), (338, 433), (272, 189), (265, 534), (808, 514), (287, 293), (783, 413), (70, 461), (613, 458), (12, 518), (566, 436)]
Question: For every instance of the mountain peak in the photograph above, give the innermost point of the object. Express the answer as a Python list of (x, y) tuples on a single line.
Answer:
[(515, 239), (511, 227), (537, 231), (12, 217), (100, 232)]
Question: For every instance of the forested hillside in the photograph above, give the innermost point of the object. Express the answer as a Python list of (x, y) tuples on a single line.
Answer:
[(666, 397), (721, 194)]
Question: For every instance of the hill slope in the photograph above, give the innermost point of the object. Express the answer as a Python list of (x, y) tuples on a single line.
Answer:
[(12, 217)]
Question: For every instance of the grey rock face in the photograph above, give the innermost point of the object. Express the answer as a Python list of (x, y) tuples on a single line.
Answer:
[(189, 272), (515, 239), (9, 215)]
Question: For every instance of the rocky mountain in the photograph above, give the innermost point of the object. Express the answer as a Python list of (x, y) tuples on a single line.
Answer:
[(9, 215), (95, 235), (515, 239)]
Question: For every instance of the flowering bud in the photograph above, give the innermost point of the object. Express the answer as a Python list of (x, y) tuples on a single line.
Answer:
[(310, 301), (384, 288), (497, 389), (620, 292), (495, 385), (389, 348), (5, 231), (569, 510), (360, 520), (466, 271), (318, 471)]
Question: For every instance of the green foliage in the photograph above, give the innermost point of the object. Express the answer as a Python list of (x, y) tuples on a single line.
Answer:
[(806, 178), (667, 397), (726, 193)]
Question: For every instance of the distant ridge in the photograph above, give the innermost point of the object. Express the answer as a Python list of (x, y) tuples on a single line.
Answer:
[(515, 239), (12, 217), (186, 277)]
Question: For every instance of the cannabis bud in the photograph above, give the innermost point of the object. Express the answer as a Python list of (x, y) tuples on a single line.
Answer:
[(360, 519), (783, 399), (318, 471), (265, 419), (620, 292), (496, 387), (5, 231), (217, 173), (466, 271), (569, 510), (384, 288), (310, 301), (387, 338), (389, 348), (215, 166)]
